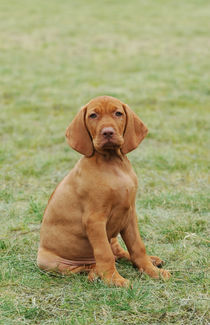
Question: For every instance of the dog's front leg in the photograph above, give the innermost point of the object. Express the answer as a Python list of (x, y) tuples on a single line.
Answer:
[(137, 250), (95, 225)]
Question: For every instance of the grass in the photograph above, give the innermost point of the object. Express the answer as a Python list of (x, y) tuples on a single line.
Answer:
[(153, 55)]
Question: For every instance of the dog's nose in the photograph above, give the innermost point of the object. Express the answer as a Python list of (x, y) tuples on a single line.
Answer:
[(107, 132)]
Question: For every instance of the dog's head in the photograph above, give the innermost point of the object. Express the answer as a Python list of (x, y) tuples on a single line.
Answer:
[(105, 123)]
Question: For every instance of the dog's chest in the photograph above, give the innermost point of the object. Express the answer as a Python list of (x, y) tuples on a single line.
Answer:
[(122, 188), (121, 202), (106, 186)]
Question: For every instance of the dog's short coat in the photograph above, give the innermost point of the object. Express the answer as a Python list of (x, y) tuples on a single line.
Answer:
[(96, 201)]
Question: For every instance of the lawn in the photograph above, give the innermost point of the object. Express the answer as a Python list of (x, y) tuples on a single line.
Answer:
[(54, 57)]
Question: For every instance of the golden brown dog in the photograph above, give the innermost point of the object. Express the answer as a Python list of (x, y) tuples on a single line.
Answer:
[(96, 201)]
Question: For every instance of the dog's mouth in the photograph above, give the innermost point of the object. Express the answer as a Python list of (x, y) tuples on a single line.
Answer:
[(107, 144), (110, 144)]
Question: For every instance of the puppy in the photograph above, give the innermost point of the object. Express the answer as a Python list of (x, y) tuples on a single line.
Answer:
[(96, 201)]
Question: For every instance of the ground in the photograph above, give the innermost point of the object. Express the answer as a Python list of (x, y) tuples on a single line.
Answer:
[(54, 57)]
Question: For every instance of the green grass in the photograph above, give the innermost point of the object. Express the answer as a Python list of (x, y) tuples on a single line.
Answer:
[(153, 55)]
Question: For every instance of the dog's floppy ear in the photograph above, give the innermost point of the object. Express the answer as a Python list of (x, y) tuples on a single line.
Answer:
[(78, 136), (135, 131)]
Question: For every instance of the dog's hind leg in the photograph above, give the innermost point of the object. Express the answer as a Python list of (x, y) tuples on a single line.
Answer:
[(49, 261), (119, 252)]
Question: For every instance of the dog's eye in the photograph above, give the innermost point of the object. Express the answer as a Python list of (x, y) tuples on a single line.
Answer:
[(93, 115), (118, 114)]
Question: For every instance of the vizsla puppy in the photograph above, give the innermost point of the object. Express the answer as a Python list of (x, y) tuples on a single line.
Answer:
[(96, 201)]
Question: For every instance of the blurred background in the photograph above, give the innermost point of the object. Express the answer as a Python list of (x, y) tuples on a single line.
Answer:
[(153, 55)]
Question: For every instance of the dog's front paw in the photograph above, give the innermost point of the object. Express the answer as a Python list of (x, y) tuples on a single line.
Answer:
[(118, 281), (157, 273), (165, 274), (110, 278), (92, 275), (156, 261)]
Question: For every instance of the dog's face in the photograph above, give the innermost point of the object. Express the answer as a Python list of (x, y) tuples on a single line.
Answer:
[(106, 120), (105, 123)]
